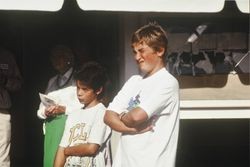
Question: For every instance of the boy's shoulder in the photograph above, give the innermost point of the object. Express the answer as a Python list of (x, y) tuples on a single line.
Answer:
[(134, 78), (100, 107)]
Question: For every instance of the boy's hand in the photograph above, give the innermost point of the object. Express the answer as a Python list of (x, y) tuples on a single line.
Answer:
[(55, 110), (147, 126)]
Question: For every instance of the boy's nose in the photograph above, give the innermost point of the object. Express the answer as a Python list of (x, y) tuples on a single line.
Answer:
[(137, 56)]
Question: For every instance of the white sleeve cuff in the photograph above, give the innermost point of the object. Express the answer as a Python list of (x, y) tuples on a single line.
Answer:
[(41, 112)]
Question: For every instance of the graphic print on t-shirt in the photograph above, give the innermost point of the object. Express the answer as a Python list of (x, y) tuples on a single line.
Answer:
[(134, 102), (78, 133)]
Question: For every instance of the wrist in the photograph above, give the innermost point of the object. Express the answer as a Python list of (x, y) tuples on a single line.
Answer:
[(122, 115), (63, 109), (60, 109), (66, 151)]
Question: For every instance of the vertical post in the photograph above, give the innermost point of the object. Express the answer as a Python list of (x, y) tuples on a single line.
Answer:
[(192, 62)]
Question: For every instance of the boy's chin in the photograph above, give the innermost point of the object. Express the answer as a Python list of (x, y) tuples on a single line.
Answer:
[(81, 101)]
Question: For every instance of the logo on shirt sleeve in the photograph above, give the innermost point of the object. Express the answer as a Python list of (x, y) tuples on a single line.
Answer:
[(134, 102)]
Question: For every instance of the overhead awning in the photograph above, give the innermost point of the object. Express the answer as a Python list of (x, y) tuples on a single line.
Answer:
[(243, 5), (153, 5), (189, 6), (39, 5)]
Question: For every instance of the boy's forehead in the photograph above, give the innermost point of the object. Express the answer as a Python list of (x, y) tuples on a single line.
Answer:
[(140, 45), (81, 83)]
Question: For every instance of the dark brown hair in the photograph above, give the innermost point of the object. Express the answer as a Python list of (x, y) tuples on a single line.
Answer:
[(94, 76)]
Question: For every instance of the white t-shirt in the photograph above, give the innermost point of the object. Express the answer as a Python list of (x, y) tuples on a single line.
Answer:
[(87, 126), (157, 95)]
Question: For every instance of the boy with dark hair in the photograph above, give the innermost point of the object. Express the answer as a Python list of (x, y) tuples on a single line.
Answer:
[(86, 136)]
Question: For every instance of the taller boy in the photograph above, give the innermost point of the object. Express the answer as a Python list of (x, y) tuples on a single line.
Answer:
[(146, 109)]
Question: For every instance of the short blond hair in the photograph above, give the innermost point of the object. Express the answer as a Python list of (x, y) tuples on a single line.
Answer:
[(153, 35)]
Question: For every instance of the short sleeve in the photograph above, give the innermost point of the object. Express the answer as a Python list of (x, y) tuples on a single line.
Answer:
[(66, 134), (99, 131), (121, 100), (161, 97)]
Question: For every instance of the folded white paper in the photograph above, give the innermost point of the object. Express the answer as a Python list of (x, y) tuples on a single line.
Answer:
[(47, 101)]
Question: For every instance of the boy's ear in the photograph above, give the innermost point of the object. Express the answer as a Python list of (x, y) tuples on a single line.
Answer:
[(160, 52), (98, 91)]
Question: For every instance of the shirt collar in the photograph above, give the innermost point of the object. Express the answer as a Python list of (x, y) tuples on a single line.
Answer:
[(68, 73)]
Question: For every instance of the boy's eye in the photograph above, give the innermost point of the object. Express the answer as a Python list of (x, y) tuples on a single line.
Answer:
[(141, 50), (84, 88)]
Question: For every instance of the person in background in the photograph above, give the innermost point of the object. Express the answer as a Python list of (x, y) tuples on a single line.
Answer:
[(62, 88), (85, 137), (146, 109), (223, 63), (10, 80)]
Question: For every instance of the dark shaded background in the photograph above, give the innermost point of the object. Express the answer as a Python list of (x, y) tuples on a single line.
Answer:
[(95, 36)]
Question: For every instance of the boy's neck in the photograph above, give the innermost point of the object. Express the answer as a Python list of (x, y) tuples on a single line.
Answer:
[(152, 73), (92, 104)]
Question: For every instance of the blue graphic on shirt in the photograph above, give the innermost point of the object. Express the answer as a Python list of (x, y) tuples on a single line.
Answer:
[(133, 102)]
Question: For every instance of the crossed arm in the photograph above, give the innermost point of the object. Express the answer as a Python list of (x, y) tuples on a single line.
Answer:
[(132, 122), (88, 149)]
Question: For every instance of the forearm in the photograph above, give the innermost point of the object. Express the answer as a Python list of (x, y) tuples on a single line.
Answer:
[(112, 119), (128, 120), (60, 158), (82, 150), (134, 118)]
